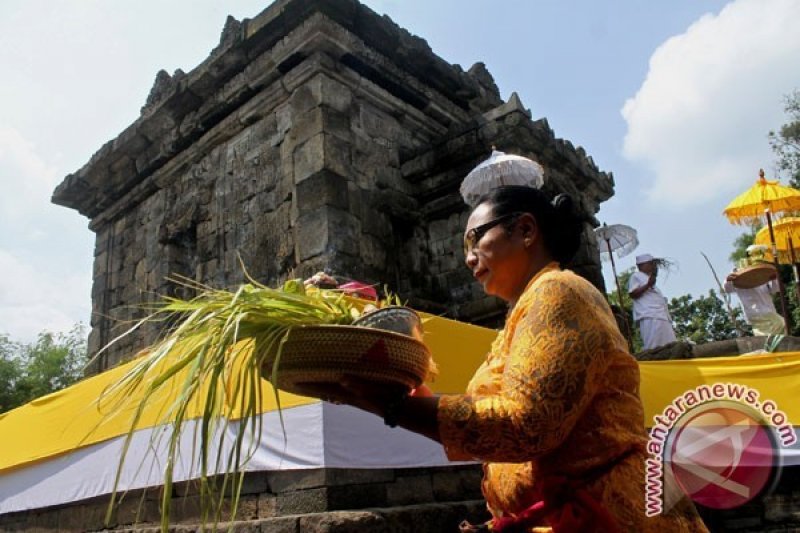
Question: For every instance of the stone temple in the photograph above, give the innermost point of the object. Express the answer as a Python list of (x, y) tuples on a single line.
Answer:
[(317, 135)]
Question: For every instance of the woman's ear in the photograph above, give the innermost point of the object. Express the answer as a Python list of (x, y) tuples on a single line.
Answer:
[(527, 225)]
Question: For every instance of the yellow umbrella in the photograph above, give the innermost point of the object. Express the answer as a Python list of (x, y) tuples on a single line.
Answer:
[(787, 240), (787, 233), (765, 198)]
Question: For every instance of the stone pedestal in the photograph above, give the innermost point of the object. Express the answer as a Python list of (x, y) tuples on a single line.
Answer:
[(418, 500)]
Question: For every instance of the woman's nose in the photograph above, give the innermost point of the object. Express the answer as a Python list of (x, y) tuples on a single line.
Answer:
[(471, 259)]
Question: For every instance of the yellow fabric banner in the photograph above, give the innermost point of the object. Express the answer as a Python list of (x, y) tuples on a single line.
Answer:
[(765, 382), (70, 419)]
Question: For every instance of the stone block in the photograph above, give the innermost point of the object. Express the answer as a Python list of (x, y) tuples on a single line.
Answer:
[(355, 476), (372, 251), (248, 508), (368, 163), (344, 522), (357, 496), (326, 230), (122, 176), (463, 483), (309, 158), (377, 124), (407, 490), (293, 480), (137, 508), (240, 527), (267, 505), (322, 189), (283, 118), (303, 99), (82, 517), (302, 501), (185, 509), (322, 151), (42, 520), (311, 234), (331, 93), (255, 483), (318, 120), (283, 524)]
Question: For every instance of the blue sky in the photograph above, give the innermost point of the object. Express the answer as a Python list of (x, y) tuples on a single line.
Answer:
[(675, 98)]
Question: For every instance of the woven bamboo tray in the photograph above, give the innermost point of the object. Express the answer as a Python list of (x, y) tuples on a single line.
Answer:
[(326, 354), (753, 276)]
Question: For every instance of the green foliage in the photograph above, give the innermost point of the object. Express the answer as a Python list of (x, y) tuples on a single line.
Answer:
[(705, 318), (52, 362), (741, 243), (786, 141), (12, 389), (623, 303), (793, 302)]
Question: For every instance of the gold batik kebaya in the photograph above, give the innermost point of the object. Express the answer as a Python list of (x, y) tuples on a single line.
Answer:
[(554, 413)]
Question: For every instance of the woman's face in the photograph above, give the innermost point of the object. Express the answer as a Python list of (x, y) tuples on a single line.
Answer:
[(499, 260)]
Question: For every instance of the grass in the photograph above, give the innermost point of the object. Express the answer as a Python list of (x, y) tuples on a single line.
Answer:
[(212, 354)]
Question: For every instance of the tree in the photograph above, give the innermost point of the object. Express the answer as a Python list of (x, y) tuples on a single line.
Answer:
[(741, 243), (786, 141), (623, 301), (705, 319), (56, 361), (11, 372), (52, 362)]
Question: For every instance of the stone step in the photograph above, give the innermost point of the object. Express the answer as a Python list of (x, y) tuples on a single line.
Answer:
[(422, 518)]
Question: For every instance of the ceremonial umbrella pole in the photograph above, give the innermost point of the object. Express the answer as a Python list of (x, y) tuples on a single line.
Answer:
[(765, 198), (794, 267), (622, 239)]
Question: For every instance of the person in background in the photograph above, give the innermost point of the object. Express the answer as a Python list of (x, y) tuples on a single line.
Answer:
[(759, 309), (650, 310)]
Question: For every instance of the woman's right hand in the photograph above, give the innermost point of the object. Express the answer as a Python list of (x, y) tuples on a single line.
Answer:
[(321, 280)]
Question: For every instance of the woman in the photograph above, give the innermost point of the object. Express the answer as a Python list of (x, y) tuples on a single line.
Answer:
[(554, 412)]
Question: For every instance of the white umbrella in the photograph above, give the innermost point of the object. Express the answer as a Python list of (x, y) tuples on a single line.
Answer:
[(618, 238), (498, 170), (623, 240)]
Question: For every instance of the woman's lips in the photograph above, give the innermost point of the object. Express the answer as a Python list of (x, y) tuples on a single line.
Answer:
[(478, 274)]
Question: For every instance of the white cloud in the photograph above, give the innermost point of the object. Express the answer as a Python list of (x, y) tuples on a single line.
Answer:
[(35, 299), (699, 121), (44, 282), (26, 179)]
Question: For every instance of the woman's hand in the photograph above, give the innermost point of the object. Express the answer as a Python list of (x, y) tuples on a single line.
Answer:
[(367, 395), (417, 413), (321, 280)]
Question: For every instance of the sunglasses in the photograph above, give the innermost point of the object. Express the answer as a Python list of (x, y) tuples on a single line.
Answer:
[(474, 235)]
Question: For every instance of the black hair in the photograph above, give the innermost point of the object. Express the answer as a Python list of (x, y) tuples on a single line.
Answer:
[(561, 227)]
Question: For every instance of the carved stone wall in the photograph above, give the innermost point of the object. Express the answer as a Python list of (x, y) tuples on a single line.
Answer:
[(316, 135)]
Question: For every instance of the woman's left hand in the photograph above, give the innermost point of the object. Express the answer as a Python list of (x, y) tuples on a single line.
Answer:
[(367, 395)]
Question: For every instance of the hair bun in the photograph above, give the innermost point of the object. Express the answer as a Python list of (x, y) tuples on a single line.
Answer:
[(563, 203)]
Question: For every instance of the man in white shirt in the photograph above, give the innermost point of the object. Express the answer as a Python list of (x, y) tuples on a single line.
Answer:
[(759, 309), (649, 306)]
